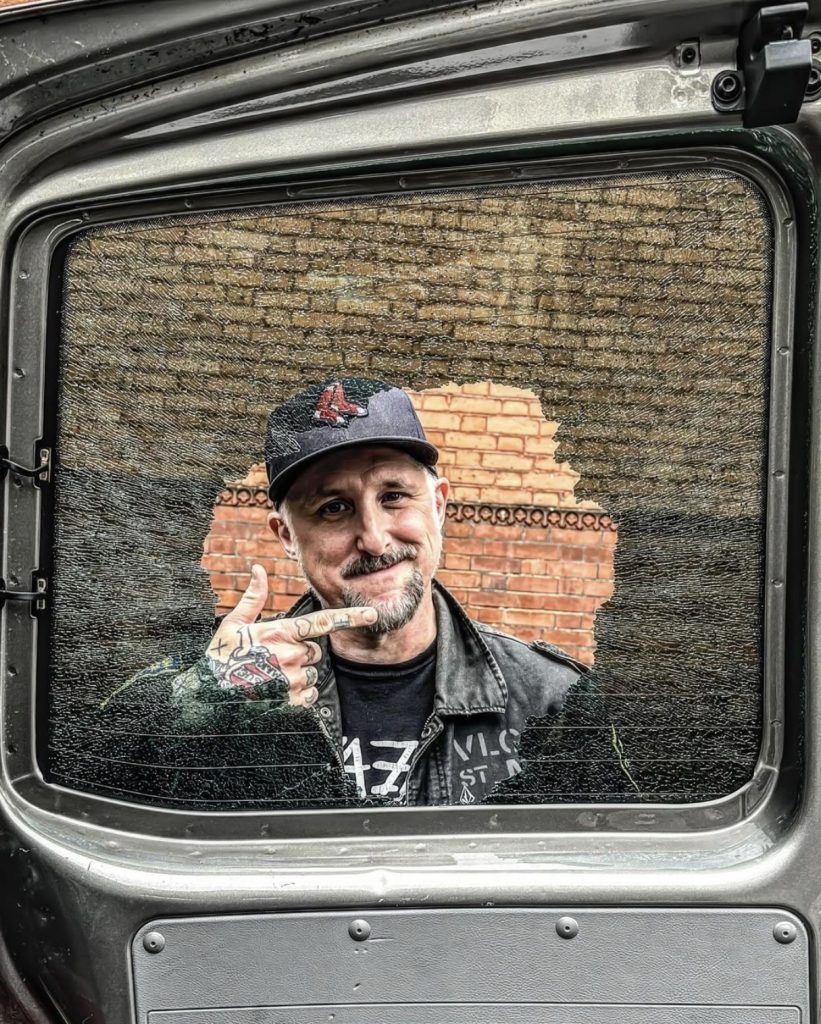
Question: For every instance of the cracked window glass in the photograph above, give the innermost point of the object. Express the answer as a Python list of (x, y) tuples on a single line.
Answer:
[(427, 499)]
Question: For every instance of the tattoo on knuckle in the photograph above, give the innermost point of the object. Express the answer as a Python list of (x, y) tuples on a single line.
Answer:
[(254, 671)]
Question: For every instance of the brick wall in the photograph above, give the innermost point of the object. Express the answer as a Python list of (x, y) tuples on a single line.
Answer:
[(541, 581)]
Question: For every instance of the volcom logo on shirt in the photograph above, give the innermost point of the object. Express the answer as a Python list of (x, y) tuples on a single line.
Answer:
[(481, 763)]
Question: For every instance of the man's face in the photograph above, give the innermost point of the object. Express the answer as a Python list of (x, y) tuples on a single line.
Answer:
[(365, 525)]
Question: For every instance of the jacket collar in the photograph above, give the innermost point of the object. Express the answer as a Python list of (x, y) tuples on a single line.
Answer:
[(468, 678)]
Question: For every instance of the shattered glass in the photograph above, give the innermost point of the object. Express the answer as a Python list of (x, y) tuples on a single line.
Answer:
[(611, 300)]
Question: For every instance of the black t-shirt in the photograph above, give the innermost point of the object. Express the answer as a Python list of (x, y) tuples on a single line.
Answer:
[(384, 708)]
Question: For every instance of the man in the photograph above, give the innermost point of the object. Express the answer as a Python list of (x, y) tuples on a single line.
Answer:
[(418, 703), (424, 704)]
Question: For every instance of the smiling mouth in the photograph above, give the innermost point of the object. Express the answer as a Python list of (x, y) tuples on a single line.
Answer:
[(379, 571)]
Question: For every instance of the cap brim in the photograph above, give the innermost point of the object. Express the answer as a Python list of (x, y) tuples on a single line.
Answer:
[(422, 451)]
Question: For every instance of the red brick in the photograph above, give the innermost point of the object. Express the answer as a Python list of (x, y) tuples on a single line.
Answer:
[(513, 425), (492, 564), (539, 585), (524, 617), (576, 537), (514, 407), (508, 479), (506, 461), (460, 579), (509, 391), (464, 492), (539, 446), (474, 424), (485, 442), (578, 570), (222, 581), (598, 587), (548, 552), (473, 404), (491, 598), (568, 621), (494, 581), (442, 421), (534, 567), (490, 616), (471, 547), (507, 496), (511, 444), (564, 636), (458, 562), (472, 476), (432, 402)]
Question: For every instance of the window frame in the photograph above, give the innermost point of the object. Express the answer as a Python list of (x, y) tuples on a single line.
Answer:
[(36, 274)]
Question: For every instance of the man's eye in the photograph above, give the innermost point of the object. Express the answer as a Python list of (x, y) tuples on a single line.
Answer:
[(333, 508), (392, 497)]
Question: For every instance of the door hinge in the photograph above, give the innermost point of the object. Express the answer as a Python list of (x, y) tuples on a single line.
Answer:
[(36, 597), (776, 72), (39, 474)]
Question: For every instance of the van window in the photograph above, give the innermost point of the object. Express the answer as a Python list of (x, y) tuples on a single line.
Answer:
[(591, 370)]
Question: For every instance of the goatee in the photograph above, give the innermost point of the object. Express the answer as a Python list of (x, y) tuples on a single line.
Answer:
[(396, 612)]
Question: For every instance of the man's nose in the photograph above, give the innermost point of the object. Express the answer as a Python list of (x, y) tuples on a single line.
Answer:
[(372, 536)]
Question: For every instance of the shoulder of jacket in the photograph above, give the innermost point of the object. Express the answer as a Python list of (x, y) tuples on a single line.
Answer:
[(540, 647)]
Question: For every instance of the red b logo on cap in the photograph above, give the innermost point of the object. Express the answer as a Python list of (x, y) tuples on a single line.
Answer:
[(334, 408)]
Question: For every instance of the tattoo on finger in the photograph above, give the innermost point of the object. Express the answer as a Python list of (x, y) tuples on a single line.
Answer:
[(311, 675), (303, 628)]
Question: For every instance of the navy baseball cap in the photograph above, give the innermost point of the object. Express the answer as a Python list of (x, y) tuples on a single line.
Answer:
[(339, 414)]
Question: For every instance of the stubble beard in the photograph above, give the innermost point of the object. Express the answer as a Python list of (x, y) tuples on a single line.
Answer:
[(395, 613), (392, 614)]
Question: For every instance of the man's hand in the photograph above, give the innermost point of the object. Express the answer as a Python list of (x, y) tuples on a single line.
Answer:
[(261, 660)]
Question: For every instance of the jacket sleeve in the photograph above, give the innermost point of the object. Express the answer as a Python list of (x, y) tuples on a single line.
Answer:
[(173, 735)]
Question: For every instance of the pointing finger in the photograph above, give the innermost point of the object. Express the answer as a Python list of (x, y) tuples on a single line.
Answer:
[(329, 621)]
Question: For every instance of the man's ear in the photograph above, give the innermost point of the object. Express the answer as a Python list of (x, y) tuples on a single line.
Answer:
[(278, 525), (440, 494)]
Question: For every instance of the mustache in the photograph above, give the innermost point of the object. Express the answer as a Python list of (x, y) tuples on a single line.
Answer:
[(373, 563)]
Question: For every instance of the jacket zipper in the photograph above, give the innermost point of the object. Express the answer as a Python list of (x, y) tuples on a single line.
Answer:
[(432, 720)]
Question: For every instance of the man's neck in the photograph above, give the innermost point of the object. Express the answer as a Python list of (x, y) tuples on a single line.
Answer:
[(389, 648)]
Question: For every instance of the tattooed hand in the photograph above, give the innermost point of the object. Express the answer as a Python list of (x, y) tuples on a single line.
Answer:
[(274, 659)]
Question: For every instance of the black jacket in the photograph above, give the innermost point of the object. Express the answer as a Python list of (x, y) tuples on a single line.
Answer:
[(511, 722)]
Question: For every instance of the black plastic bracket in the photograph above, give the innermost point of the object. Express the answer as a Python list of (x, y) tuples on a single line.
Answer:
[(774, 66), (41, 473)]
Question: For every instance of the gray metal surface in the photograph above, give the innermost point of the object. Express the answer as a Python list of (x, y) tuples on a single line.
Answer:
[(620, 958), (80, 875), (478, 1013)]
